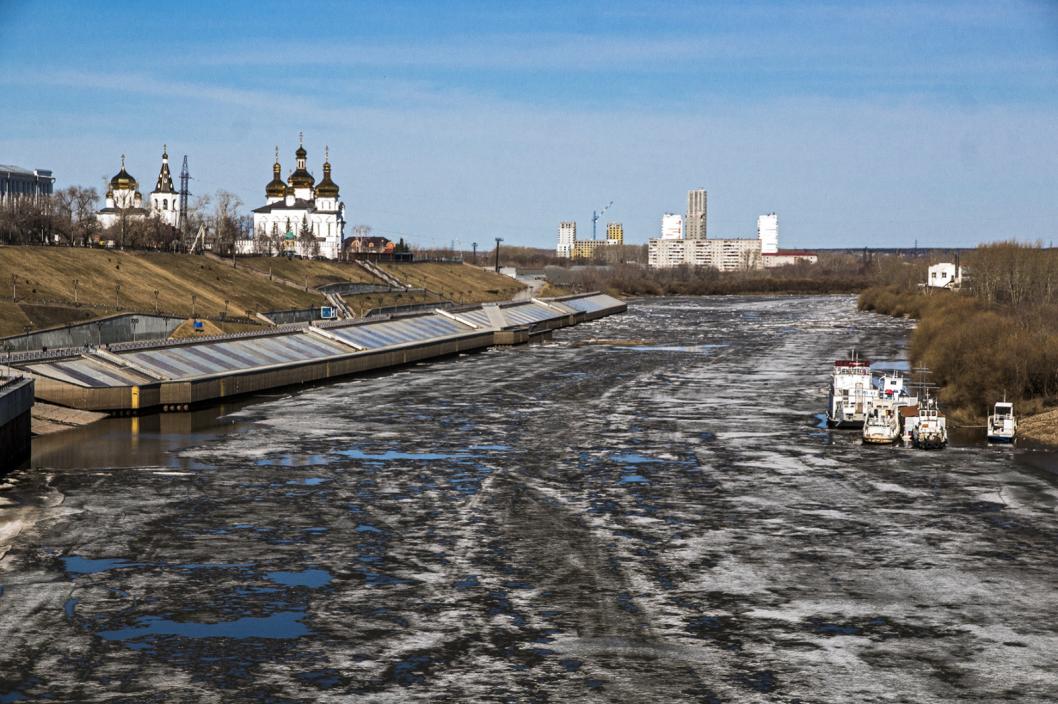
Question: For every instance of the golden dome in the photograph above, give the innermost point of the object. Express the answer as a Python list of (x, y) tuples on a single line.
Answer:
[(300, 178), (276, 188), (327, 188), (123, 180)]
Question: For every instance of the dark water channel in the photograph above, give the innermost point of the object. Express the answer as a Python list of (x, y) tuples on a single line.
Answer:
[(571, 521)]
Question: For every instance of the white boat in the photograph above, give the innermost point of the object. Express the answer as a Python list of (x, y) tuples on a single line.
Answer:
[(928, 430), (882, 426), (1002, 425), (851, 393)]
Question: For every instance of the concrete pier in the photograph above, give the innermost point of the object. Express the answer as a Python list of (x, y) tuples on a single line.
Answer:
[(16, 404), (176, 375)]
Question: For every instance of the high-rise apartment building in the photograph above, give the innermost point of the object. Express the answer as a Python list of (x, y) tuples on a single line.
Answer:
[(768, 233), (567, 238), (695, 225), (672, 226), (615, 233)]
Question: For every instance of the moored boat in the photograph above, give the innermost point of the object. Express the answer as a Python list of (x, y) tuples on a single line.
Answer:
[(882, 426), (1002, 425), (851, 393), (928, 430)]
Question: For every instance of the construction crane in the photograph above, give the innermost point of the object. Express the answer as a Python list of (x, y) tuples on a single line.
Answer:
[(595, 217)]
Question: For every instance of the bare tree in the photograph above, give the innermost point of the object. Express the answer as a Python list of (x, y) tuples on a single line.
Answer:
[(226, 226)]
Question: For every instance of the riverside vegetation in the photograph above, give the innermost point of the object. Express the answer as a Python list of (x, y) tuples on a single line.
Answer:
[(833, 273), (997, 336)]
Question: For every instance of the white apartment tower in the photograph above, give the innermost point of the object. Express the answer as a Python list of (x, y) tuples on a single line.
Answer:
[(567, 238), (672, 226), (695, 225), (768, 233)]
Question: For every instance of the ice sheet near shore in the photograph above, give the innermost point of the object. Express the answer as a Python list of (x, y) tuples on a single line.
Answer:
[(560, 522)]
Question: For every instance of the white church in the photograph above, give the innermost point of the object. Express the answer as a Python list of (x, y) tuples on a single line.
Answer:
[(300, 217), (123, 198)]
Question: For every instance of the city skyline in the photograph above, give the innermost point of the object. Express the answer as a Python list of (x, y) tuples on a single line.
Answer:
[(863, 126)]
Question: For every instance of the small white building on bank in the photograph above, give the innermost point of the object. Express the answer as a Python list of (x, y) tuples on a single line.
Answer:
[(944, 275)]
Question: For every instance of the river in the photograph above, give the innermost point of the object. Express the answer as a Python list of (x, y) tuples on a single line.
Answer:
[(661, 520)]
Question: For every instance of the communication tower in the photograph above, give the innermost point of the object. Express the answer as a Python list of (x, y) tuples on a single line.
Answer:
[(185, 195)]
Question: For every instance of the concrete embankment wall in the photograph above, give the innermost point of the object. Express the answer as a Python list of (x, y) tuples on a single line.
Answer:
[(103, 331), (16, 403), (176, 375)]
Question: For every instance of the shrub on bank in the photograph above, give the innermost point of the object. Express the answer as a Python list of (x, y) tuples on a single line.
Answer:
[(977, 352)]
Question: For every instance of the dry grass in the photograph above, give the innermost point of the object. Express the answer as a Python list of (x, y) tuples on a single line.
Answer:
[(46, 275), (316, 272), (45, 285), (461, 283), (1041, 428)]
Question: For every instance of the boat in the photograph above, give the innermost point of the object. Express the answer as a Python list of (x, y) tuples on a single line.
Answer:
[(882, 426), (1002, 425), (928, 430), (851, 393)]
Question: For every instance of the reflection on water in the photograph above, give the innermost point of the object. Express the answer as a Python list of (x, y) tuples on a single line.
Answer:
[(139, 441)]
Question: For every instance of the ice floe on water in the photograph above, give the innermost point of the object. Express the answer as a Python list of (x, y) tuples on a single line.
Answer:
[(558, 522)]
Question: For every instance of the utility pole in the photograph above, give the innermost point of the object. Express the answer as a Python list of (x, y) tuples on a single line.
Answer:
[(498, 240)]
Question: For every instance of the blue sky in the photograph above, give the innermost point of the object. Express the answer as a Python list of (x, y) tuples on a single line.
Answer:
[(872, 124)]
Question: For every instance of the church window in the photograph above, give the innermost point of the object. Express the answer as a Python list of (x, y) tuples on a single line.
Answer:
[(165, 204)]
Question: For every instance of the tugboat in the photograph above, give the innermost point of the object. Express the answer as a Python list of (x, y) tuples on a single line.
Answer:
[(1002, 426), (851, 393), (929, 429)]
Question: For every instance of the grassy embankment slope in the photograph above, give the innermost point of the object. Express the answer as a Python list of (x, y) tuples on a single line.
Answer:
[(111, 281), (460, 283), (314, 273), (979, 352)]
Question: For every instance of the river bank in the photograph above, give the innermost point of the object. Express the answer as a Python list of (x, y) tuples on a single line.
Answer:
[(979, 353)]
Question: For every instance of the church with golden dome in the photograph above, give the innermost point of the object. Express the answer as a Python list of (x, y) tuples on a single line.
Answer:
[(124, 200), (300, 217)]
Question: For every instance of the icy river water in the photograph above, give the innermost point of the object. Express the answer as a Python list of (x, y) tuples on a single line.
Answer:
[(571, 521)]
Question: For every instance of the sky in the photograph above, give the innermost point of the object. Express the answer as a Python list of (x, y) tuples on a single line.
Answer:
[(877, 124)]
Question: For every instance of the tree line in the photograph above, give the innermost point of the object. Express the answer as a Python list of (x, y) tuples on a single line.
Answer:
[(996, 336), (69, 218)]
